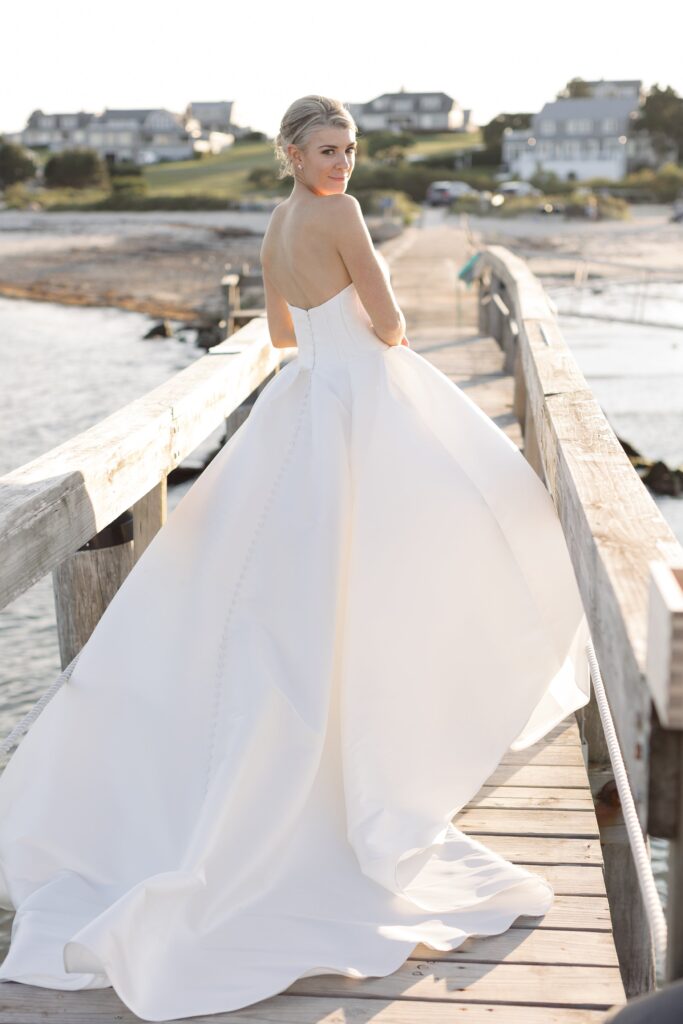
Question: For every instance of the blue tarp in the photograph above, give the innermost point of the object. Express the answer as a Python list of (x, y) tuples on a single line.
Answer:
[(466, 273)]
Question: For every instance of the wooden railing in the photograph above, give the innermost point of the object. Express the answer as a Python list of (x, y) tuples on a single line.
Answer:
[(629, 568), (115, 474)]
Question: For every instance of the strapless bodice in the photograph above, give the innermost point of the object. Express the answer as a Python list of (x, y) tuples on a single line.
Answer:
[(336, 331)]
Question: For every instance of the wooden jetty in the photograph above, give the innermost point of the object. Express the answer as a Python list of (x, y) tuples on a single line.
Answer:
[(545, 807)]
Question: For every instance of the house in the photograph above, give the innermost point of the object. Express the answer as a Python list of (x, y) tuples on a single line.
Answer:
[(583, 137), (141, 135), (53, 131), (215, 117), (411, 111), (212, 125)]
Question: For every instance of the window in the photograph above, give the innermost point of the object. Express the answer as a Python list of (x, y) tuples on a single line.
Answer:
[(579, 126)]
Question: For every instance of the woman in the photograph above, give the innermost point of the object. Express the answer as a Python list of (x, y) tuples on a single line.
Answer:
[(361, 604)]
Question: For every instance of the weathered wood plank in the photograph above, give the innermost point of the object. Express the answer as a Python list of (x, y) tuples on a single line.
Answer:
[(29, 1004), (551, 798), (528, 984), (539, 775), (571, 879), (527, 822), (533, 946), (544, 849), (582, 913), (546, 753)]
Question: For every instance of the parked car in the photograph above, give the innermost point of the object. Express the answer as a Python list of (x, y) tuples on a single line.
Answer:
[(441, 193), (518, 188)]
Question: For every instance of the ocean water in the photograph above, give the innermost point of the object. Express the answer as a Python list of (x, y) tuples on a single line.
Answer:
[(635, 371)]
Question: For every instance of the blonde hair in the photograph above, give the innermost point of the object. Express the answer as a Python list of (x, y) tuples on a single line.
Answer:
[(303, 117)]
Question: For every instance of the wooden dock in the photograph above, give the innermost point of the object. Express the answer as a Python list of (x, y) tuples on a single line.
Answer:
[(536, 809)]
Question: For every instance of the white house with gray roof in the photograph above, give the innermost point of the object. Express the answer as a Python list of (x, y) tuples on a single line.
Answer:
[(583, 137), (411, 112), (141, 135)]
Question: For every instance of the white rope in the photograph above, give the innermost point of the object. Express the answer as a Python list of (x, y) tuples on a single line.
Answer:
[(641, 858), (28, 719)]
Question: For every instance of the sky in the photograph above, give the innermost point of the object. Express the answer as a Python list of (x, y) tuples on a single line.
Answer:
[(492, 57)]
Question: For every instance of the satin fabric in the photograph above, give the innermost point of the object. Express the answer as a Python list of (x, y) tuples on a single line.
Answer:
[(360, 605)]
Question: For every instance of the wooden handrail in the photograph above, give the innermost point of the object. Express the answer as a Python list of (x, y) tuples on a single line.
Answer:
[(614, 528), (52, 505)]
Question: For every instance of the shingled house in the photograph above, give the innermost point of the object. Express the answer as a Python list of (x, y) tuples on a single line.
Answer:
[(583, 137), (411, 111)]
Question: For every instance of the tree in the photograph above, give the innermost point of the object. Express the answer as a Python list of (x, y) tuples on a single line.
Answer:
[(388, 145), (576, 88), (662, 116), (15, 164), (492, 133), (76, 168)]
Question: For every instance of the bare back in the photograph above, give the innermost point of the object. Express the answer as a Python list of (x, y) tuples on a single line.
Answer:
[(299, 255)]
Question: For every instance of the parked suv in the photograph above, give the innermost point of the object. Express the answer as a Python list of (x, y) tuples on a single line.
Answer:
[(441, 193)]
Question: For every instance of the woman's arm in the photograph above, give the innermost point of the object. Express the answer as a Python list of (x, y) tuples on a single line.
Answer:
[(366, 269)]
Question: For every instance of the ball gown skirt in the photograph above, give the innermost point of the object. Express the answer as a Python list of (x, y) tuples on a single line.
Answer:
[(359, 606)]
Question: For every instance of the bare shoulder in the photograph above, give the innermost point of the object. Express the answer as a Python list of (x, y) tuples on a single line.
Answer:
[(342, 204), (344, 214)]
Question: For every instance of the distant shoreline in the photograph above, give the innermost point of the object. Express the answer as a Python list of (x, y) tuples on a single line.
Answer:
[(168, 265), (165, 266)]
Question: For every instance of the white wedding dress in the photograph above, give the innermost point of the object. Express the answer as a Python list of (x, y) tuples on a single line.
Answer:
[(360, 605)]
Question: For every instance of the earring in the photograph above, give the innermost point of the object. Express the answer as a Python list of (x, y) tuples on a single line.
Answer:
[(300, 166)]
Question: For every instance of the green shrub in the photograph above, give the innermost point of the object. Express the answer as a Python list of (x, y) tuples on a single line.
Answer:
[(76, 168), (15, 164)]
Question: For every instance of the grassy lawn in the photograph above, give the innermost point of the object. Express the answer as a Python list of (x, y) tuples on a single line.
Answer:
[(446, 142), (221, 175)]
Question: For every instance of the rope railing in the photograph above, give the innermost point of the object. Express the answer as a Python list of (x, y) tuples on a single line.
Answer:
[(641, 857), (27, 721)]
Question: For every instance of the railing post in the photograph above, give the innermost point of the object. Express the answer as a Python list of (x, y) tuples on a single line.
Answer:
[(231, 300), (665, 797), (86, 581), (483, 302), (149, 515)]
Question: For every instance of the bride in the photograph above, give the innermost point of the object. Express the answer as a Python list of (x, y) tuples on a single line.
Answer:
[(360, 605)]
